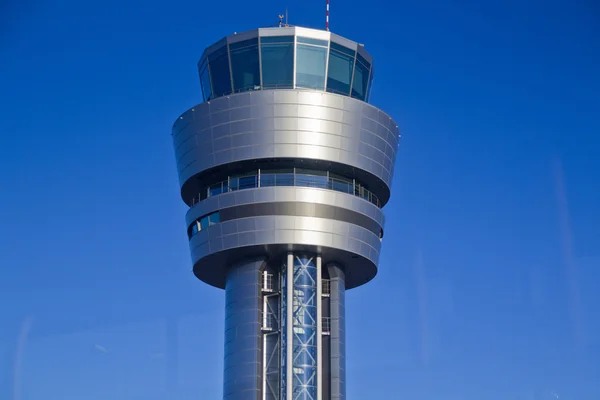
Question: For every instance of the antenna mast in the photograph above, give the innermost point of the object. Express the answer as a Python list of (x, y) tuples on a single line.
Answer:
[(327, 15)]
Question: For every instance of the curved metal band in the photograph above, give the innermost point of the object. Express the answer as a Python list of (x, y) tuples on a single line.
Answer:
[(214, 249), (288, 124), (298, 195)]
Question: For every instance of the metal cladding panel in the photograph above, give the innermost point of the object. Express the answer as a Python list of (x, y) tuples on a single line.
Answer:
[(282, 194), (215, 248), (285, 124), (243, 361), (338, 332)]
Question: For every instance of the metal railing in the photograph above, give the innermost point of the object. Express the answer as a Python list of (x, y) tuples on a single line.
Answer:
[(269, 322), (267, 285), (325, 287), (326, 325), (265, 179)]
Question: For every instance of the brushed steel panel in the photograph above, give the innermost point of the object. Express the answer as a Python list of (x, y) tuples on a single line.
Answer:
[(318, 112), (285, 194), (335, 239)]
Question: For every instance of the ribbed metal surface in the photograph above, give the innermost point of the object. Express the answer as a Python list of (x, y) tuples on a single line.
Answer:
[(243, 338), (286, 124), (273, 195), (215, 248), (338, 332)]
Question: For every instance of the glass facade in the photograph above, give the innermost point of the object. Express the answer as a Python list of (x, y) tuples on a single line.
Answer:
[(290, 177), (341, 64), (245, 65), (286, 62), (305, 328), (220, 76), (360, 81), (277, 55), (205, 81), (311, 62), (203, 223)]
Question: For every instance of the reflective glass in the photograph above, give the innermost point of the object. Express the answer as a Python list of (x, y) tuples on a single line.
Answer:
[(339, 73), (277, 64), (311, 178), (360, 81), (342, 49), (370, 84), (317, 42), (205, 82), (248, 182), (305, 328), (245, 66), (276, 39), (310, 66), (271, 179), (218, 63), (214, 218), (204, 222), (217, 188)]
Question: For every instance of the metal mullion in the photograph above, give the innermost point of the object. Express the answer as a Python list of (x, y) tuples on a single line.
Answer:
[(353, 69), (260, 70), (230, 70), (210, 79), (319, 330), (327, 67), (368, 82), (294, 67), (289, 326)]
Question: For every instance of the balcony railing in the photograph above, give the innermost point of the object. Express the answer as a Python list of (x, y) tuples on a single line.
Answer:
[(266, 179), (269, 322), (325, 287), (267, 284), (326, 325)]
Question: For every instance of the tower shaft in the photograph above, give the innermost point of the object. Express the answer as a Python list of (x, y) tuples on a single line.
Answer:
[(285, 167)]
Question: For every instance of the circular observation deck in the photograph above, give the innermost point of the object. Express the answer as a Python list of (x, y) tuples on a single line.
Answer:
[(285, 154), (286, 58)]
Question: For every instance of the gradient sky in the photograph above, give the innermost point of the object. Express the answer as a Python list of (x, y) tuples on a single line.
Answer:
[(489, 276)]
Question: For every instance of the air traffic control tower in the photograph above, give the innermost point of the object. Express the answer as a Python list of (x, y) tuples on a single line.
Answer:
[(285, 167)]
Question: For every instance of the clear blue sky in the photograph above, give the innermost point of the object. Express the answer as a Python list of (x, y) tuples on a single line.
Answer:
[(488, 283)]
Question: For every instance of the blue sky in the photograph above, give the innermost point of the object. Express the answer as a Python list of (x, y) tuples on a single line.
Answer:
[(488, 279)]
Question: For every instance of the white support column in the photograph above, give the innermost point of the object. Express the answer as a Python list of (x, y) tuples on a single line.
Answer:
[(264, 368), (319, 332), (264, 349), (290, 326)]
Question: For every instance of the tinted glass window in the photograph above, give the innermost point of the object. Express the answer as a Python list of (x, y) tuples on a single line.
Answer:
[(214, 218), (310, 66), (218, 63), (361, 79), (370, 85), (342, 49), (340, 72), (205, 82), (243, 44), (204, 222), (277, 64), (245, 66), (276, 39), (317, 42)]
